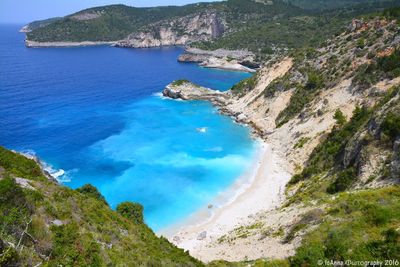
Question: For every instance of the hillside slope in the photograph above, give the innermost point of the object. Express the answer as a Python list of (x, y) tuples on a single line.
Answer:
[(44, 223), (331, 115), (201, 21)]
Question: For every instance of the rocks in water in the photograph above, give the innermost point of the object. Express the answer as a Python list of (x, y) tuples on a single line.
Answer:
[(186, 90), (241, 118), (192, 58), (202, 235)]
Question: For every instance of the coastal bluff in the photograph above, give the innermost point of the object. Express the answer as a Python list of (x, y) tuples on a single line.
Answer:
[(186, 90)]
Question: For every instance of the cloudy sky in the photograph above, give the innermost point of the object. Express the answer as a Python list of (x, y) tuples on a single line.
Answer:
[(23, 11)]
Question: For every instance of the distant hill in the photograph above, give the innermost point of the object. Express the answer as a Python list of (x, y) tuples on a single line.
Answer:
[(261, 26), (331, 4), (116, 22)]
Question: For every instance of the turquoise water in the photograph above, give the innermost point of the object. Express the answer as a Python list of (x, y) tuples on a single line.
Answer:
[(95, 115)]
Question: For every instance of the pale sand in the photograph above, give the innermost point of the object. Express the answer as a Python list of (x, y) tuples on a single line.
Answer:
[(260, 190)]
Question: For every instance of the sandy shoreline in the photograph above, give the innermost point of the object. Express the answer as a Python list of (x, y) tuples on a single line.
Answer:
[(260, 189)]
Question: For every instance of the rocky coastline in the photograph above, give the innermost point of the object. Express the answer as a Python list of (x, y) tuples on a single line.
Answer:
[(238, 60), (186, 90), (34, 44)]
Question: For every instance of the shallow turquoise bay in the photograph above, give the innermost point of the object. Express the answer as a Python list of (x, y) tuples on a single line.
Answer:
[(95, 115)]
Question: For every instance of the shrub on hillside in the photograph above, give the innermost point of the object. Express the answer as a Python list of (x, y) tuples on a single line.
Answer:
[(391, 125), (343, 181), (91, 191), (131, 211), (339, 117)]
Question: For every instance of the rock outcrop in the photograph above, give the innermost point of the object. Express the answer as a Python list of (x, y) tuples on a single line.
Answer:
[(239, 60), (186, 90), (181, 31)]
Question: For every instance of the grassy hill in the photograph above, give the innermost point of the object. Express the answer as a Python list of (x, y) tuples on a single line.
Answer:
[(44, 222)]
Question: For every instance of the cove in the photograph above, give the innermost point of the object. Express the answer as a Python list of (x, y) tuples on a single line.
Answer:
[(95, 115)]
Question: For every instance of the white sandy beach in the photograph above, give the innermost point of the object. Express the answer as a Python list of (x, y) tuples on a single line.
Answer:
[(260, 189)]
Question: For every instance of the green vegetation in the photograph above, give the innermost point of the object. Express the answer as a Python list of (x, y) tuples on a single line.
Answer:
[(298, 30), (392, 13), (19, 165), (333, 166), (312, 217), (383, 67), (391, 125), (116, 22), (339, 117), (253, 25), (361, 226), (91, 191), (278, 85), (245, 85), (301, 97), (180, 82), (301, 142), (343, 181), (328, 4), (41, 23), (55, 225), (325, 155), (131, 211)]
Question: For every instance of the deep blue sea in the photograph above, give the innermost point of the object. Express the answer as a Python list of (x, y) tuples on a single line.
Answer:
[(95, 115)]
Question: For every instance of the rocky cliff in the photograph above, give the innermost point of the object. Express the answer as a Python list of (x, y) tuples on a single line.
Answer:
[(180, 31)]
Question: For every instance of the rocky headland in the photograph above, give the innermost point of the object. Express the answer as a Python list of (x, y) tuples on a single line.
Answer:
[(181, 31), (238, 60)]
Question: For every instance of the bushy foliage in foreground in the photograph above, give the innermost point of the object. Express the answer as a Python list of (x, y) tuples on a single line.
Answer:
[(360, 226), (54, 225), (131, 211)]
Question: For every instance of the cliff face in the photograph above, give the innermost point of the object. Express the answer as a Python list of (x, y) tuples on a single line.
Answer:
[(197, 27)]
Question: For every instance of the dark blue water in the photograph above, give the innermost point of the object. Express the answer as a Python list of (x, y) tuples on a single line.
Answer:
[(94, 113)]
